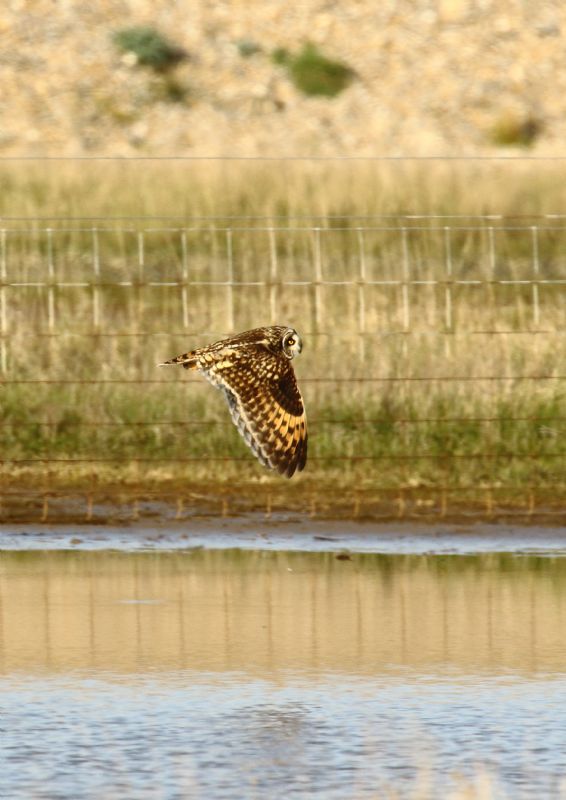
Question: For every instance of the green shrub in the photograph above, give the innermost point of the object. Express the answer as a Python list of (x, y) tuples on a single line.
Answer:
[(150, 47), (514, 130), (313, 73)]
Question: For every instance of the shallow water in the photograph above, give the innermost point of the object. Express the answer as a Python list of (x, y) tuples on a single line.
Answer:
[(232, 674)]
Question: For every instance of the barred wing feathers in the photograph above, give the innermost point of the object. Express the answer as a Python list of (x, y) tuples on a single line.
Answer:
[(265, 404)]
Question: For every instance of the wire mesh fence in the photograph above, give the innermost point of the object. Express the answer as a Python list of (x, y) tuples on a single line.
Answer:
[(427, 339), (276, 261)]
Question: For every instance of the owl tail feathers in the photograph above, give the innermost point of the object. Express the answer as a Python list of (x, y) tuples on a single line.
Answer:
[(187, 360)]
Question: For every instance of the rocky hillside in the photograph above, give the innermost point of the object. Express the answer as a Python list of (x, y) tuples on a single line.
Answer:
[(449, 77)]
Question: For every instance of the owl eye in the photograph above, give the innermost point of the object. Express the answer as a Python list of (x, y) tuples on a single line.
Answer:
[(291, 340)]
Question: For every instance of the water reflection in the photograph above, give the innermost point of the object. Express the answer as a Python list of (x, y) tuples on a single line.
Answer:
[(262, 674), (268, 612)]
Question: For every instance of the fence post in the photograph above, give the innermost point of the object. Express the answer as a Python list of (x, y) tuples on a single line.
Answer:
[(536, 273), (3, 303), (406, 308), (95, 288), (185, 279), (141, 274), (318, 279), (51, 278), (274, 274), (449, 274), (492, 266), (361, 296), (230, 282)]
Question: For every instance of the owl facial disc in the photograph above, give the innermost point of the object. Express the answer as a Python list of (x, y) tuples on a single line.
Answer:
[(291, 343)]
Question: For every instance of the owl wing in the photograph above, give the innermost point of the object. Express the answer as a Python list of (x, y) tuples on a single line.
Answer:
[(265, 404)]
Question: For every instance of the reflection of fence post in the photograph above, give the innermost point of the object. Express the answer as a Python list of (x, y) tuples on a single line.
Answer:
[(230, 282), (3, 303), (536, 273), (274, 274)]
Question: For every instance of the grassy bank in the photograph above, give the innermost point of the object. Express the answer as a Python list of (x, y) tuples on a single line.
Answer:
[(434, 348)]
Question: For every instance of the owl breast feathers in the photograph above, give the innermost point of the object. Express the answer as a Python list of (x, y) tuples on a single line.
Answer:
[(254, 371)]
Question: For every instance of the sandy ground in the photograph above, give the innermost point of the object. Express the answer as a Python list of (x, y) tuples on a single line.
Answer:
[(450, 77)]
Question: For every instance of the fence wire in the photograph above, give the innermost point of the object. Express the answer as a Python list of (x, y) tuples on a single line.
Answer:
[(404, 257), (353, 285)]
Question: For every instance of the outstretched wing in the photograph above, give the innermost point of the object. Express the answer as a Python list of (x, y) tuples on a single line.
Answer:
[(265, 403)]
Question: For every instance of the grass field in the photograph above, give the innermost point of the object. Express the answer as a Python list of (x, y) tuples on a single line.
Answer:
[(458, 323)]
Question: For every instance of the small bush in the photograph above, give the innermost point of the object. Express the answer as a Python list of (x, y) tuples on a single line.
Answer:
[(513, 130), (248, 48), (313, 73), (150, 47), (280, 56)]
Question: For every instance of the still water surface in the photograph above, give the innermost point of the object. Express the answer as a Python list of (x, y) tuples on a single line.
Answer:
[(230, 674)]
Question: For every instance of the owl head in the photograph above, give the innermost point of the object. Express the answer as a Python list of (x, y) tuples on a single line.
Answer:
[(291, 343)]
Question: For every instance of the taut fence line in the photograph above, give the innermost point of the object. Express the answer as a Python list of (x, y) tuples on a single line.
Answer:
[(414, 257), (465, 304)]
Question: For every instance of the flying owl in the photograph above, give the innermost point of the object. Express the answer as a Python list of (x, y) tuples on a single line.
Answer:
[(254, 371)]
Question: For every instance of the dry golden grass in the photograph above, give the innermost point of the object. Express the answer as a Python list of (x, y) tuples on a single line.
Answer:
[(109, 188)]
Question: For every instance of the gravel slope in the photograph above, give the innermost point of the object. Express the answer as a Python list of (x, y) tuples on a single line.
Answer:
[(432, 78)]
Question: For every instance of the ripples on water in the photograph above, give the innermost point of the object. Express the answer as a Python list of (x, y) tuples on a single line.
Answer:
[(264, 675)]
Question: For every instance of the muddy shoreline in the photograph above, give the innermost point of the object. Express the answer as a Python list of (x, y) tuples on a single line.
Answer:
[(124, 506), (254, 532)]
